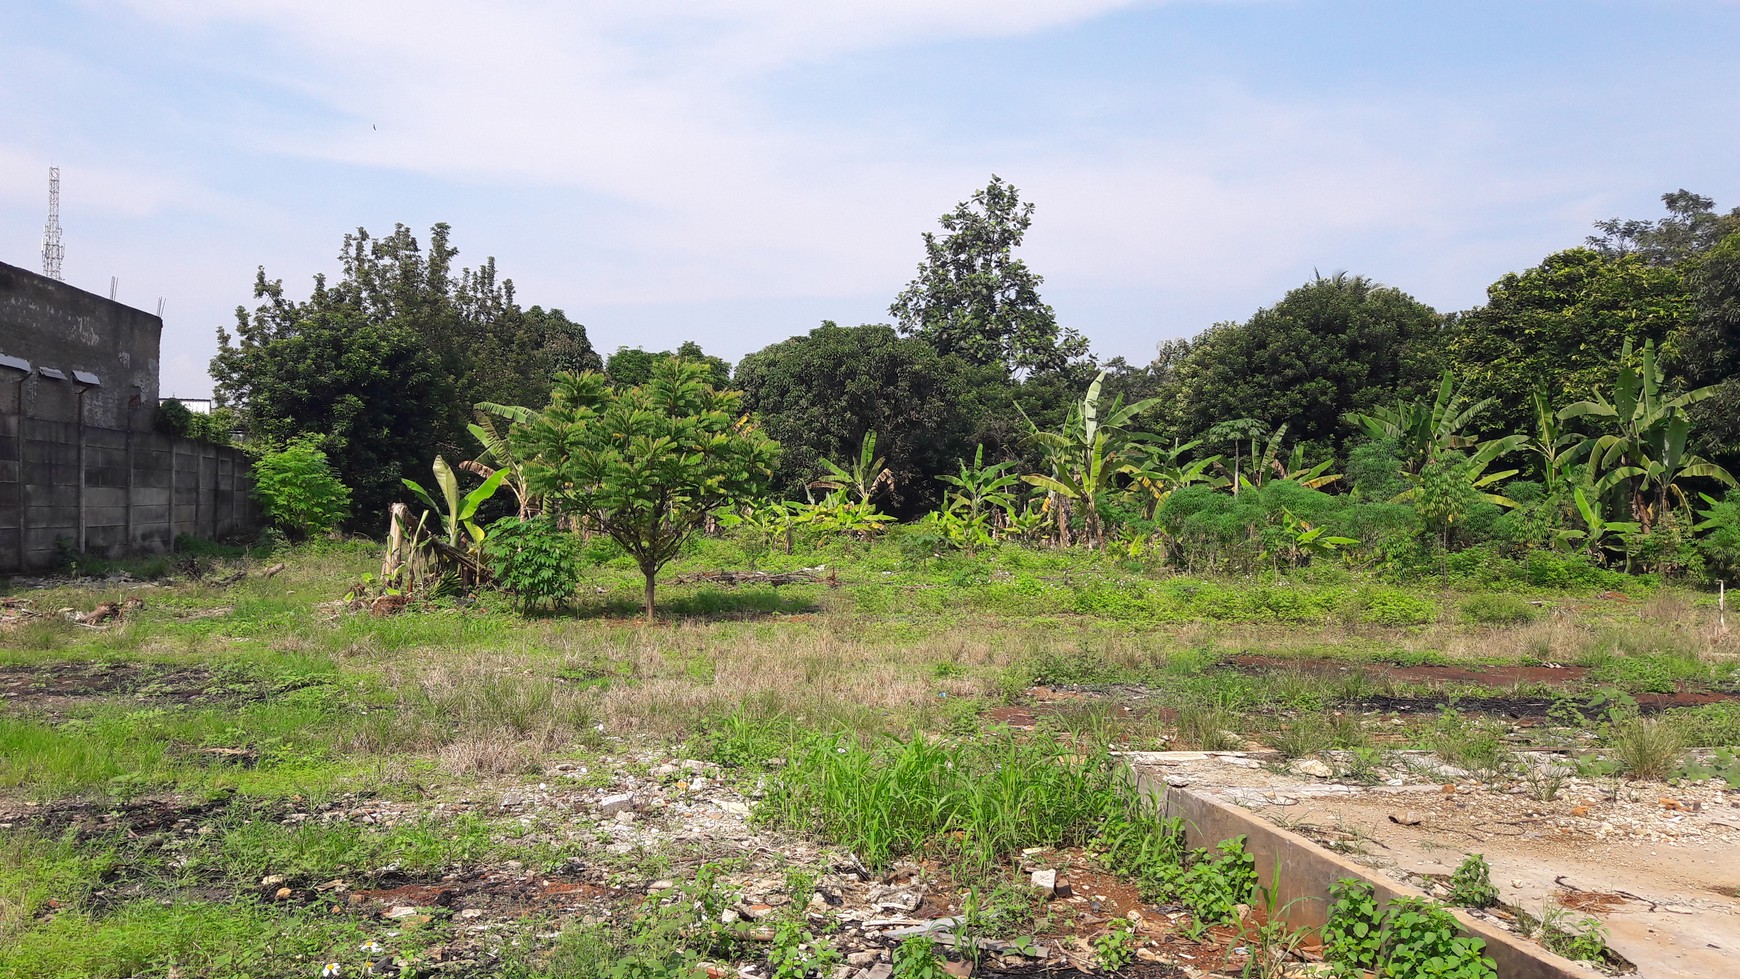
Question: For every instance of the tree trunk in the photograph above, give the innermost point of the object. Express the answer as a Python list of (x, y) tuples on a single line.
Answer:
[(651, 585)]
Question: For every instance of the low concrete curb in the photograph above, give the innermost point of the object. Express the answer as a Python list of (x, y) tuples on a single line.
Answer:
[(1306, 870)]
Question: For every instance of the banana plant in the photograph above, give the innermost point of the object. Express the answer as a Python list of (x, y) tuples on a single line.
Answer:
[(1644, 446), (1558, 449), (1425, 431), (1596, 537), (1162, 471), (500, 451), (1084, 456), (461, 531), (981, 489), (765, 523), (839, 513), (1304, 540), (1294, 470), (867, 475)]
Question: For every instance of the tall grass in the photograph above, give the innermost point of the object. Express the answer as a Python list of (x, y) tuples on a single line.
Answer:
[(979, 800)]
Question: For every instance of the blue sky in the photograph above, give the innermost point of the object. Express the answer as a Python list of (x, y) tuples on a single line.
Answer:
[(735, 171)]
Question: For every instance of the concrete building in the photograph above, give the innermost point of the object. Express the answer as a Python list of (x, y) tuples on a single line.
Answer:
[(81, 466), (80, 348)]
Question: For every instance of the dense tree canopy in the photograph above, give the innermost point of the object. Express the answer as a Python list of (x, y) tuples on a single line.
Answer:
[(1559, 327), (384, 364), (974, 299), (1707, 351), (1333, 345), (820, 393), (630, 366)]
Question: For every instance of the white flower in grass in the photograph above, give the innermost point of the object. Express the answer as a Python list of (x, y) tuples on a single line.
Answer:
[(371, 947), (332, 969)]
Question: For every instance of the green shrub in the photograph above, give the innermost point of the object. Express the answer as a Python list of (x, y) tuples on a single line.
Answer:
[(1423, 941), (534, 560), (1720, 544), (1374, 471), (979, 801), (1546, 569), (1352, 934), (1497, 608), (299, 490), (1471, 883)]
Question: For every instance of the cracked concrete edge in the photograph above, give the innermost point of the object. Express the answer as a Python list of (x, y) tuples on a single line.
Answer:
[(1305, 871)]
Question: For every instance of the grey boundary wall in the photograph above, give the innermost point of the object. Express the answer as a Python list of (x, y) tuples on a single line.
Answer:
[(112, 492)]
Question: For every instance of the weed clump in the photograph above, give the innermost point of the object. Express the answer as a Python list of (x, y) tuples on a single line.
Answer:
[(1497, 609), (1648, 749), (1471, 883)]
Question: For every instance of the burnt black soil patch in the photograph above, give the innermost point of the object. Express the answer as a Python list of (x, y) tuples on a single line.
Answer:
[(53, 690), (134, 818)]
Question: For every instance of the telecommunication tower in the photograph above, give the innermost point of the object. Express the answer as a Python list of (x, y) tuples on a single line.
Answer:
[(52, 250)]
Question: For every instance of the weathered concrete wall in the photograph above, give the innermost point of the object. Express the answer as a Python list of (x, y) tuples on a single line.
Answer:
[(54, 325), (113, 492)]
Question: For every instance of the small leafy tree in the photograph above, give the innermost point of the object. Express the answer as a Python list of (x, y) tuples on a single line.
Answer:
[(647, 465), (533, 560), (299, 490)]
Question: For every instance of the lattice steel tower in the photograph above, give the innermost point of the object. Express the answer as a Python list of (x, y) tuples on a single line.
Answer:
[(52, 250)]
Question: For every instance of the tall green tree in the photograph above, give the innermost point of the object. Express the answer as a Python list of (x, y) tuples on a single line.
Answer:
[(820, 393), (369, 391), (1335, 344), (973, 298), (382, 363), (1559, 327), (646, 465), (632, 366), (1706, 353), (1692, 226)]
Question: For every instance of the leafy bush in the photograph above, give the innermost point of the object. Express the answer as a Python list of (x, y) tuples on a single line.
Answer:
[(1383, 606), (1374, 471), (1720, 545), (1548, 570), (1423, 941), (1471, 883), (533, 560), (1352, 935), (299, 490), (174, 418)]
